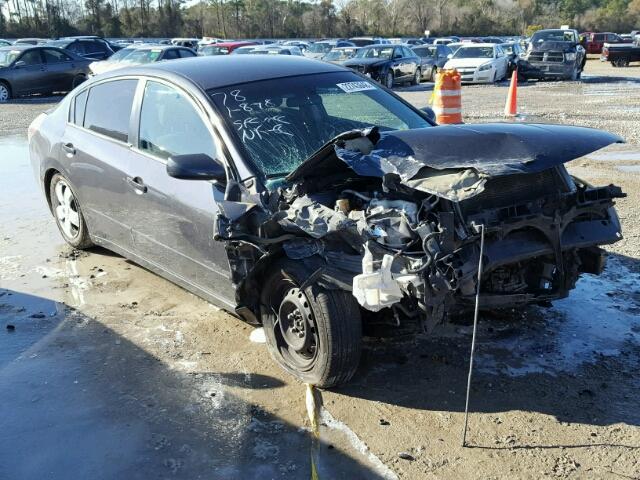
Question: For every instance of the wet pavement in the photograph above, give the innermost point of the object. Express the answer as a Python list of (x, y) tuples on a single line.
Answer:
[(108, 371)]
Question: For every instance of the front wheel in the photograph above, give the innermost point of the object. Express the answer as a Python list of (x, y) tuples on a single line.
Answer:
[(312, 332), (434, 73), (5, 92), (417, 77), (388, 80)]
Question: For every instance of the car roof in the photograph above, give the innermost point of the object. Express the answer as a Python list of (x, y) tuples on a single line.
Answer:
[(19, 47), (205, 71), (243, 43), (479, 45)]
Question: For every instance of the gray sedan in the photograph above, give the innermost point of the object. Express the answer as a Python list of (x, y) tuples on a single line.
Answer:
[(25, 70), (432, 58)]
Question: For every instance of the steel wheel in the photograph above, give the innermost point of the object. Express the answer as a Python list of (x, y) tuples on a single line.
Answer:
[(295, 330), (5, 94), (66, 210)]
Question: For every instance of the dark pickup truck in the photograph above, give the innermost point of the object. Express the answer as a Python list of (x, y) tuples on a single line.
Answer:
[(623, 54)]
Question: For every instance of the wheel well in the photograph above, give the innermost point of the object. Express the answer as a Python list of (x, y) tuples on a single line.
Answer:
[(5, 82), (47, 183)]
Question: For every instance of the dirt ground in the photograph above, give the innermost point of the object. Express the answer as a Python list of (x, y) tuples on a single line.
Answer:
[(108, 371)]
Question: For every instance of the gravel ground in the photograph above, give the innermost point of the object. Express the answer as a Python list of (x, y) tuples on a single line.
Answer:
[(138, 370)]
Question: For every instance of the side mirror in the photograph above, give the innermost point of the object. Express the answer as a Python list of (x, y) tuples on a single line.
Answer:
[(196, 166), (430, 113), (20, 64)]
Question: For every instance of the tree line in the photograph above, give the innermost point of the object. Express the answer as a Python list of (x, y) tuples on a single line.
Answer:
[(308, 19)]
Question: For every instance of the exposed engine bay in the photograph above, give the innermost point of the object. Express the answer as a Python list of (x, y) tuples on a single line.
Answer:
[(395, 218)]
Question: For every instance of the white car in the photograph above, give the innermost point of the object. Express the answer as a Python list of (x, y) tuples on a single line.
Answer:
[(480, 63)]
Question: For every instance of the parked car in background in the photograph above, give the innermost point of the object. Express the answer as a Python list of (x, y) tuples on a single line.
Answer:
[(480, 63), (515, 53), (621, 55), (191, 43), (5, 43), (31, 41), (156, 53), (388, 64), (595, 41), (456, 45), (222, 48), (302, 45), (555, 53), (339, 55), (321, 48), (101, 66), (28, 69), (492, 40), (244, 50), (432, 58), (365, 41), (276, 50), (443, 41), (90, 48)]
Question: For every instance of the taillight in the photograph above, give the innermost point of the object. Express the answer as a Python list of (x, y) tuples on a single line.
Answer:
[(35, 125)]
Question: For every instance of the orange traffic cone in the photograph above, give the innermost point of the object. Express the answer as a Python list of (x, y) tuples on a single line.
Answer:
[(511, 107)]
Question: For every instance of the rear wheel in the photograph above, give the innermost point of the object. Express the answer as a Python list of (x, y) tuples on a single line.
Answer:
[(312, 332), (5, 92), (66, 210)]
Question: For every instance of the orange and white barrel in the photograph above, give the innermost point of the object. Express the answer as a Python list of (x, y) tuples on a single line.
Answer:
[(446, 99)]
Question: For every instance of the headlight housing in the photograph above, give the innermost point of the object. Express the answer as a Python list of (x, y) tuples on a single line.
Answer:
[(570, 56), (485, 67)]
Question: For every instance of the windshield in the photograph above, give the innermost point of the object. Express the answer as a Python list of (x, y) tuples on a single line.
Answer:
[(143, 56), (7, 57), (553, 36), (339, 55), (281, 122), (474, 52), (319, 47), (214, 50), (426, 52), (120, 54), (375, 52)]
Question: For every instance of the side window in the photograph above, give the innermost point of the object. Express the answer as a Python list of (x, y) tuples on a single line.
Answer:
[(187, 54), (170, 54), (171, 125), (407, 53), (397, 52), (54, 56), (109, 108), (76, 47), (31, 57), (92, 47), (79, 104), (598, 37)]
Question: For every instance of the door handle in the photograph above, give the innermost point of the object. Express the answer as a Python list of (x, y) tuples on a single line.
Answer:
[(137, 184), (69, 148)]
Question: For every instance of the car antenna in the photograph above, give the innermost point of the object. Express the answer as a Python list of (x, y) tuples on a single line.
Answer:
[(479, 228)]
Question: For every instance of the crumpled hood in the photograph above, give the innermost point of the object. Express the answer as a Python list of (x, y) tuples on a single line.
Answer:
[(554, 46), (453, 161)]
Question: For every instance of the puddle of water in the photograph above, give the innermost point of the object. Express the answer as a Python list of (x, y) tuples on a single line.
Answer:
[(597, 320)]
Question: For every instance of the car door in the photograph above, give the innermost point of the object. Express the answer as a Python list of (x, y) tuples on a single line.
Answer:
[(61, 68), (30, 73), (95, 149), (502, 62), (173, 223)]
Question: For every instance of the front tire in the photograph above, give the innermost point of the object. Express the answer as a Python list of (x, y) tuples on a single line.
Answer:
[(417, 77), (434, 73), (388, 80), (313, 333), (68, 214)]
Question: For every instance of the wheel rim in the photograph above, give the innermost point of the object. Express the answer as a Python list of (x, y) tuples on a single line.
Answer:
[(295, 330), (66, 210), (417, 75), (4, 93)]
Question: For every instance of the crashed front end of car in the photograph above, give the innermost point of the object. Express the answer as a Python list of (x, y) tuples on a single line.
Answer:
[(395, 218)]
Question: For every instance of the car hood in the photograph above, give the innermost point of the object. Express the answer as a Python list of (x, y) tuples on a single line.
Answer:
[(466, 62), (452, 161), (371, 62)]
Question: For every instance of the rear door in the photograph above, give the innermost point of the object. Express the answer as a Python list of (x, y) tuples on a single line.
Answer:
[(30, 73), (95, 149), (61, 68), (173, 220)]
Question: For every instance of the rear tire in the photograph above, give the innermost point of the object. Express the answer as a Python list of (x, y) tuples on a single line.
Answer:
[(313, 333), (68, 214), (5, 92)]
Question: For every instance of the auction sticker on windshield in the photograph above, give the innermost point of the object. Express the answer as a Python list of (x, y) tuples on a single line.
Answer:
[(350, 87)]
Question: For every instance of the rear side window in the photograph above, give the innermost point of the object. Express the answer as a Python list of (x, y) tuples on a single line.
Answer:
[(54, 56), (170, 54), (79, 103), (109, 108), (187, 53), (170, 124), (31, 57)]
